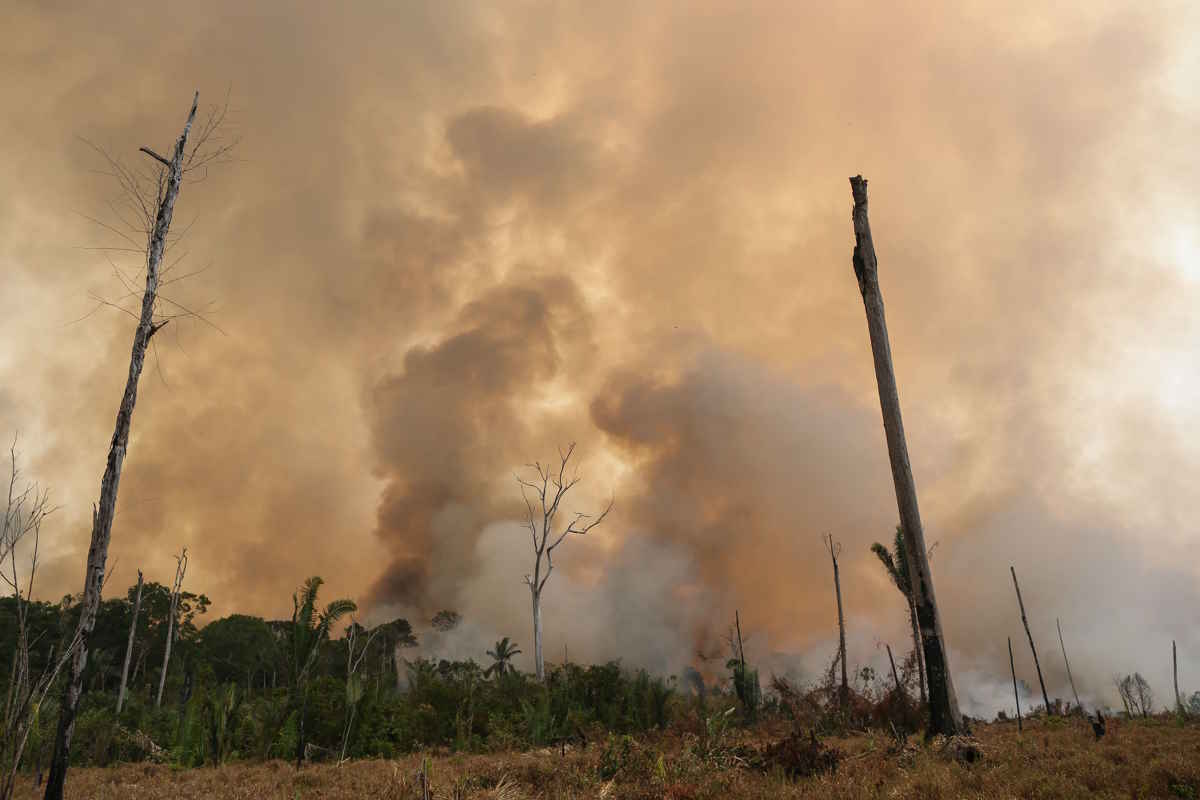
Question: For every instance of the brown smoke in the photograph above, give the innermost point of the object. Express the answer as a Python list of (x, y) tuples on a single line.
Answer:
[(458, 237)]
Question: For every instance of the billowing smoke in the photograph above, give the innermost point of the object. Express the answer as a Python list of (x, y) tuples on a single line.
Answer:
[(455, 240)]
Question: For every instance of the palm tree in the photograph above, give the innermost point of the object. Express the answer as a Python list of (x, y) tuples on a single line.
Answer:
[(503, 653), (896, 564), (309, 630)]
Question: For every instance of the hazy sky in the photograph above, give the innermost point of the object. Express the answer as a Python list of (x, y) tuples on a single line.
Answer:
[(457, 235)]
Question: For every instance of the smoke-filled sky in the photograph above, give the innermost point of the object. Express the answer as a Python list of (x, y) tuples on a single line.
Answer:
[(454, 237)]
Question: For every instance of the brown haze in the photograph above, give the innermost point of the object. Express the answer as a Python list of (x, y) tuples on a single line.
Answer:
[(456, 237)]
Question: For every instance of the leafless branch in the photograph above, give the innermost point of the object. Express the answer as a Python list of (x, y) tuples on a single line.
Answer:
[(544, 537), (155, 156)]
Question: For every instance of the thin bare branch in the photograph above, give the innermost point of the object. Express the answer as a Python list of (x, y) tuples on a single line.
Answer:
[(155, 156)]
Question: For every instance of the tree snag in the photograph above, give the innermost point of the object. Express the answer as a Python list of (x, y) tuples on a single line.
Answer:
[(835, 550), (944, 714), (545, 539), (1025, 622), (895, 675), (102, 514), (1175, 673), (180, 569), (1070, 680), (137, 606), (1017, 697)]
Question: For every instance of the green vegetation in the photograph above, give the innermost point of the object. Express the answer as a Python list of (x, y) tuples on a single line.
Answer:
[(243, 688), (247, 691)]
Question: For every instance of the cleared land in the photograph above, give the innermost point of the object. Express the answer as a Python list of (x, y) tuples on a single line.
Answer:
[(1055, 758)]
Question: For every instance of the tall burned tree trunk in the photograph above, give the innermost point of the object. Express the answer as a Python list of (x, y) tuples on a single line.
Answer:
[(944, 715), (102, 514), (844, 689), (137, 606), (1070, 680), (180, 569), (1025, 622)]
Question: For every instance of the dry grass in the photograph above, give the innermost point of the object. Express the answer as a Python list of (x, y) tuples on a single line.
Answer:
[(1157, 758)]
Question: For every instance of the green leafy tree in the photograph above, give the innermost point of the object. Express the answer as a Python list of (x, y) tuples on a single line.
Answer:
[(896, 563), (501, 657), (238, 648)]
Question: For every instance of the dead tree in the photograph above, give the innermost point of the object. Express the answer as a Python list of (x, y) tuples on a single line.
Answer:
[(1016, 695), (551, 487), (741, 651), (137, 607), (1175, 674), (1136, 694), (835, 550), (180, 569), (1068, 665), (895, 675), (25, 511), (354, 681), (156, 205), (944, 714), (1025, 622)]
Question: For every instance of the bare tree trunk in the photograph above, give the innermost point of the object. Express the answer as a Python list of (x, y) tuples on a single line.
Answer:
[(916, 634), (895, 675), (137, 606), (944, 714), (102, 514), (162, 674), (180, 569), (1175, 673), (737, 624), (1070, 680), (539, 665), (1017, 697), (1025, 622), (844, 690)]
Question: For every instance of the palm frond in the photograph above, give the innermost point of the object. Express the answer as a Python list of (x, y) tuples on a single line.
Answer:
[(307, 601), (885, 557), (333, 612)]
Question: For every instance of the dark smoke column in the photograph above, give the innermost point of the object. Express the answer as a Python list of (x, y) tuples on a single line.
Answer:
[(944, 716)]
